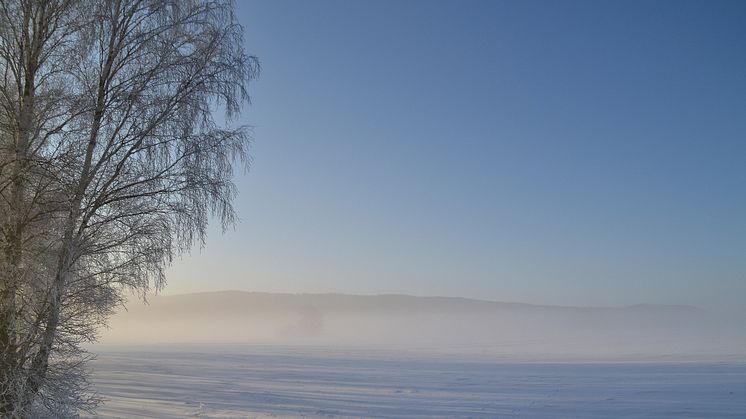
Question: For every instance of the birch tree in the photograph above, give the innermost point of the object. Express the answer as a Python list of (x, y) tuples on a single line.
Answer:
[(111, 163)]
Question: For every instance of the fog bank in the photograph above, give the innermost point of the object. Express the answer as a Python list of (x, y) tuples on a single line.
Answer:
[(436, 324)]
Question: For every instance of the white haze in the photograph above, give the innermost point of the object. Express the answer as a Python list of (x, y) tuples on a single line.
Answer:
[(432, 324)]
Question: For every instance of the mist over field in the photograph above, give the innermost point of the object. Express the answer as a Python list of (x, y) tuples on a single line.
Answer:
[(430, 324), (576, 168), (248, 354)]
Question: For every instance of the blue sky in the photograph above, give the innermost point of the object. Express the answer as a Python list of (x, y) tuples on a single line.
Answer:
[(580, 153)]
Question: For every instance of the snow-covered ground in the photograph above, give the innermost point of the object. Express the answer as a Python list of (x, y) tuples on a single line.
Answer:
[(302, 381)]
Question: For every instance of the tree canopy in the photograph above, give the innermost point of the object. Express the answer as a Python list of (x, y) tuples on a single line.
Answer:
[(111, 163)]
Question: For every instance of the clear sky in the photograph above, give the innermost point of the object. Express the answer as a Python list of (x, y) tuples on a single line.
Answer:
[(579, 153)]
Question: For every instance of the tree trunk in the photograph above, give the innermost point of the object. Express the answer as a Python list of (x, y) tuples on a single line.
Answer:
[(10, 365)]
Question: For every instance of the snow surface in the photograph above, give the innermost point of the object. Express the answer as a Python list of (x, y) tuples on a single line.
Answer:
[(260, 381)]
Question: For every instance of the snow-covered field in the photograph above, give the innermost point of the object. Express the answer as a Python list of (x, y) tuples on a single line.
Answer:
[(302, 381)]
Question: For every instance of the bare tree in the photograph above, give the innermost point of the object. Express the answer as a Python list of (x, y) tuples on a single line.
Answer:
[(111, 162)]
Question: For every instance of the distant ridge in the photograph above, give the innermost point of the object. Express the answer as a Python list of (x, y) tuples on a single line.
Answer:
[(453, 324), (407, 300)]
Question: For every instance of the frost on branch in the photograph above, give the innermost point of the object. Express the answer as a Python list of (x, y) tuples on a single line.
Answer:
[(110, 164)]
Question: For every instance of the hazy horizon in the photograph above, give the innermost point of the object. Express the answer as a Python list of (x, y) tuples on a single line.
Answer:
[(372, 209), (719, 310), (431, 324), (138, 299)]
